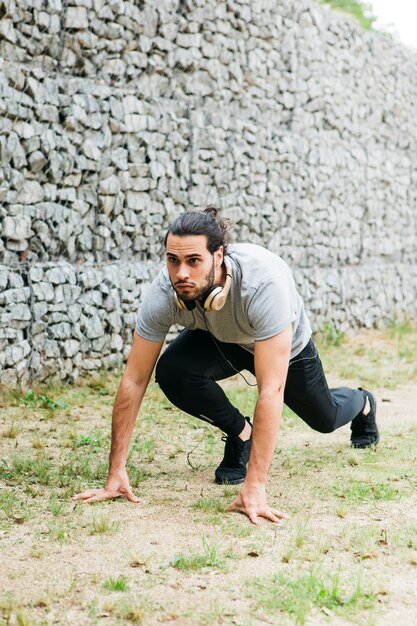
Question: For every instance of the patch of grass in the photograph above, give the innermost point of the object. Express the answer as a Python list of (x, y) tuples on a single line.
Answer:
[(140, 561), (367, 357), (59, 531), (56, 506), (36, 551), (330, 336), (298, 596), (28, 468), (230, 491), (137, 474), (128, 609), (208, 558), (38, 443), (93, 440), (102, 524), (145, 448), (215, 614), (363, 540), (12, 431), (43, 401), (116, 584), (359, 491), (209, 505)]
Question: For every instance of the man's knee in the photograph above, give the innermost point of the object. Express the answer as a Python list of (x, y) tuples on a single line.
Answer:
[(324, 423), (166, 372), (171, 373)]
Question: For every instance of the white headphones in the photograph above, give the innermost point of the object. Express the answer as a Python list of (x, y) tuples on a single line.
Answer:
[(214, 298)]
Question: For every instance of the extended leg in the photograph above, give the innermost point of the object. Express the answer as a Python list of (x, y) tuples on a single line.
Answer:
[(308, 395)]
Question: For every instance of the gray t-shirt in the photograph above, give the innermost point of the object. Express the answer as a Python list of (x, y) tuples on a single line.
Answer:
[(263, 300)]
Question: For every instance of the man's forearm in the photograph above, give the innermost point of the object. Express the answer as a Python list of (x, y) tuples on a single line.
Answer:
[(265, 431), (126, 406)]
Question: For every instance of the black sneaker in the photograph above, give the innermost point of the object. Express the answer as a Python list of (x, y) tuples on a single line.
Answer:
[(232, 469), (364, 429)]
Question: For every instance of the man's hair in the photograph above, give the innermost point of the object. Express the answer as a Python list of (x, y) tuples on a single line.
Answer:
[(205, 222)]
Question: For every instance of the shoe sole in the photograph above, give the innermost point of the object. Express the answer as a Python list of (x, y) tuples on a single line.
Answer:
[(367, 445), (224, 481)]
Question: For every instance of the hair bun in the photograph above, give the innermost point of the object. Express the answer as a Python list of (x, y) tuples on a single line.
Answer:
[(211, 209)]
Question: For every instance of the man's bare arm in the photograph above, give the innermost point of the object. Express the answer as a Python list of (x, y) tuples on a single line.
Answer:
[(271, 367), (139, 367)]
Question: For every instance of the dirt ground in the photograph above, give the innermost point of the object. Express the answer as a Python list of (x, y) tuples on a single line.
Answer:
[(48, 581)]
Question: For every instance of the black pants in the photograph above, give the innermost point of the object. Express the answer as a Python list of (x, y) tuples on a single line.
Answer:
[(189, 367)]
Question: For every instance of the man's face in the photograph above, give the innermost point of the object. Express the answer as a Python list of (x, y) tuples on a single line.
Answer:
[(192, 268)]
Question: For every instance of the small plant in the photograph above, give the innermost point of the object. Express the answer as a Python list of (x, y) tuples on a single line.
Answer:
[(116, 584), (137, 474), (56, 506), (23, 619), (36, 551), (229, 491), (94, 440), (299, 538), (43, 401), (330, 335), (297, 596), (363, 492), (102, 524), (210, 505), (341, 511), (38, 443), (130, 611), (12, 431), (361, 11), (58, 531), (209, 558)]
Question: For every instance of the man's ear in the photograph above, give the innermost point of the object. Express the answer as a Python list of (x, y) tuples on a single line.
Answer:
[(219, 254)]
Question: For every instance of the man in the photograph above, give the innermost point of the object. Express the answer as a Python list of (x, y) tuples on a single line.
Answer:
[(241, 310)]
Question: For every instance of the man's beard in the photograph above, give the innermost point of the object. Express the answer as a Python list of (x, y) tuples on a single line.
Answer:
[(197, 295)]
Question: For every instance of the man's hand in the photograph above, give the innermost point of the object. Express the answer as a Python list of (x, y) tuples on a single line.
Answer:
[(117, 485), (251, 500)]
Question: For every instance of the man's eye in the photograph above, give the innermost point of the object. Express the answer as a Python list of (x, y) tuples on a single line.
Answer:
[(172, 259), (194, 261)]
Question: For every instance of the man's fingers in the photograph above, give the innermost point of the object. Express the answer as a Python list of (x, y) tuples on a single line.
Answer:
[(273, 515), (95, 495), (85, 495), (252, 516), (131, 496), (105, 495), (268, 514)]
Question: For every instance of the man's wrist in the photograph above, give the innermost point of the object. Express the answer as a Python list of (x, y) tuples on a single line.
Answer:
[(251, 483), (117, 467)]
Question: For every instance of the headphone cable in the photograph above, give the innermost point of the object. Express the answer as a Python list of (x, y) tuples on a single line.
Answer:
[(224, 357)]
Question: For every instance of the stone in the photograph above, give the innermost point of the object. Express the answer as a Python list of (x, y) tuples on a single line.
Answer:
[(110, 186), (17, 228), (37, 161), (31, 193), (76, 17), (20, 312), (62, 330), (14, 296), (70, 347)]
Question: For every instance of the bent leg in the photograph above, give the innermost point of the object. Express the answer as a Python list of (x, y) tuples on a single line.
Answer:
[(187, 371), (308, 395)]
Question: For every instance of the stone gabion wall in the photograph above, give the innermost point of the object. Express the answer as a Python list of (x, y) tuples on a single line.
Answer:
[(117, 115)]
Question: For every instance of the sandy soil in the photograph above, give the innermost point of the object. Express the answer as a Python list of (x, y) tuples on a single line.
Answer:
[(63, 583)]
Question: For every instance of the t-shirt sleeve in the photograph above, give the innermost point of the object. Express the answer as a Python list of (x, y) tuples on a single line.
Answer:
[(154, 317), (271, 309)]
